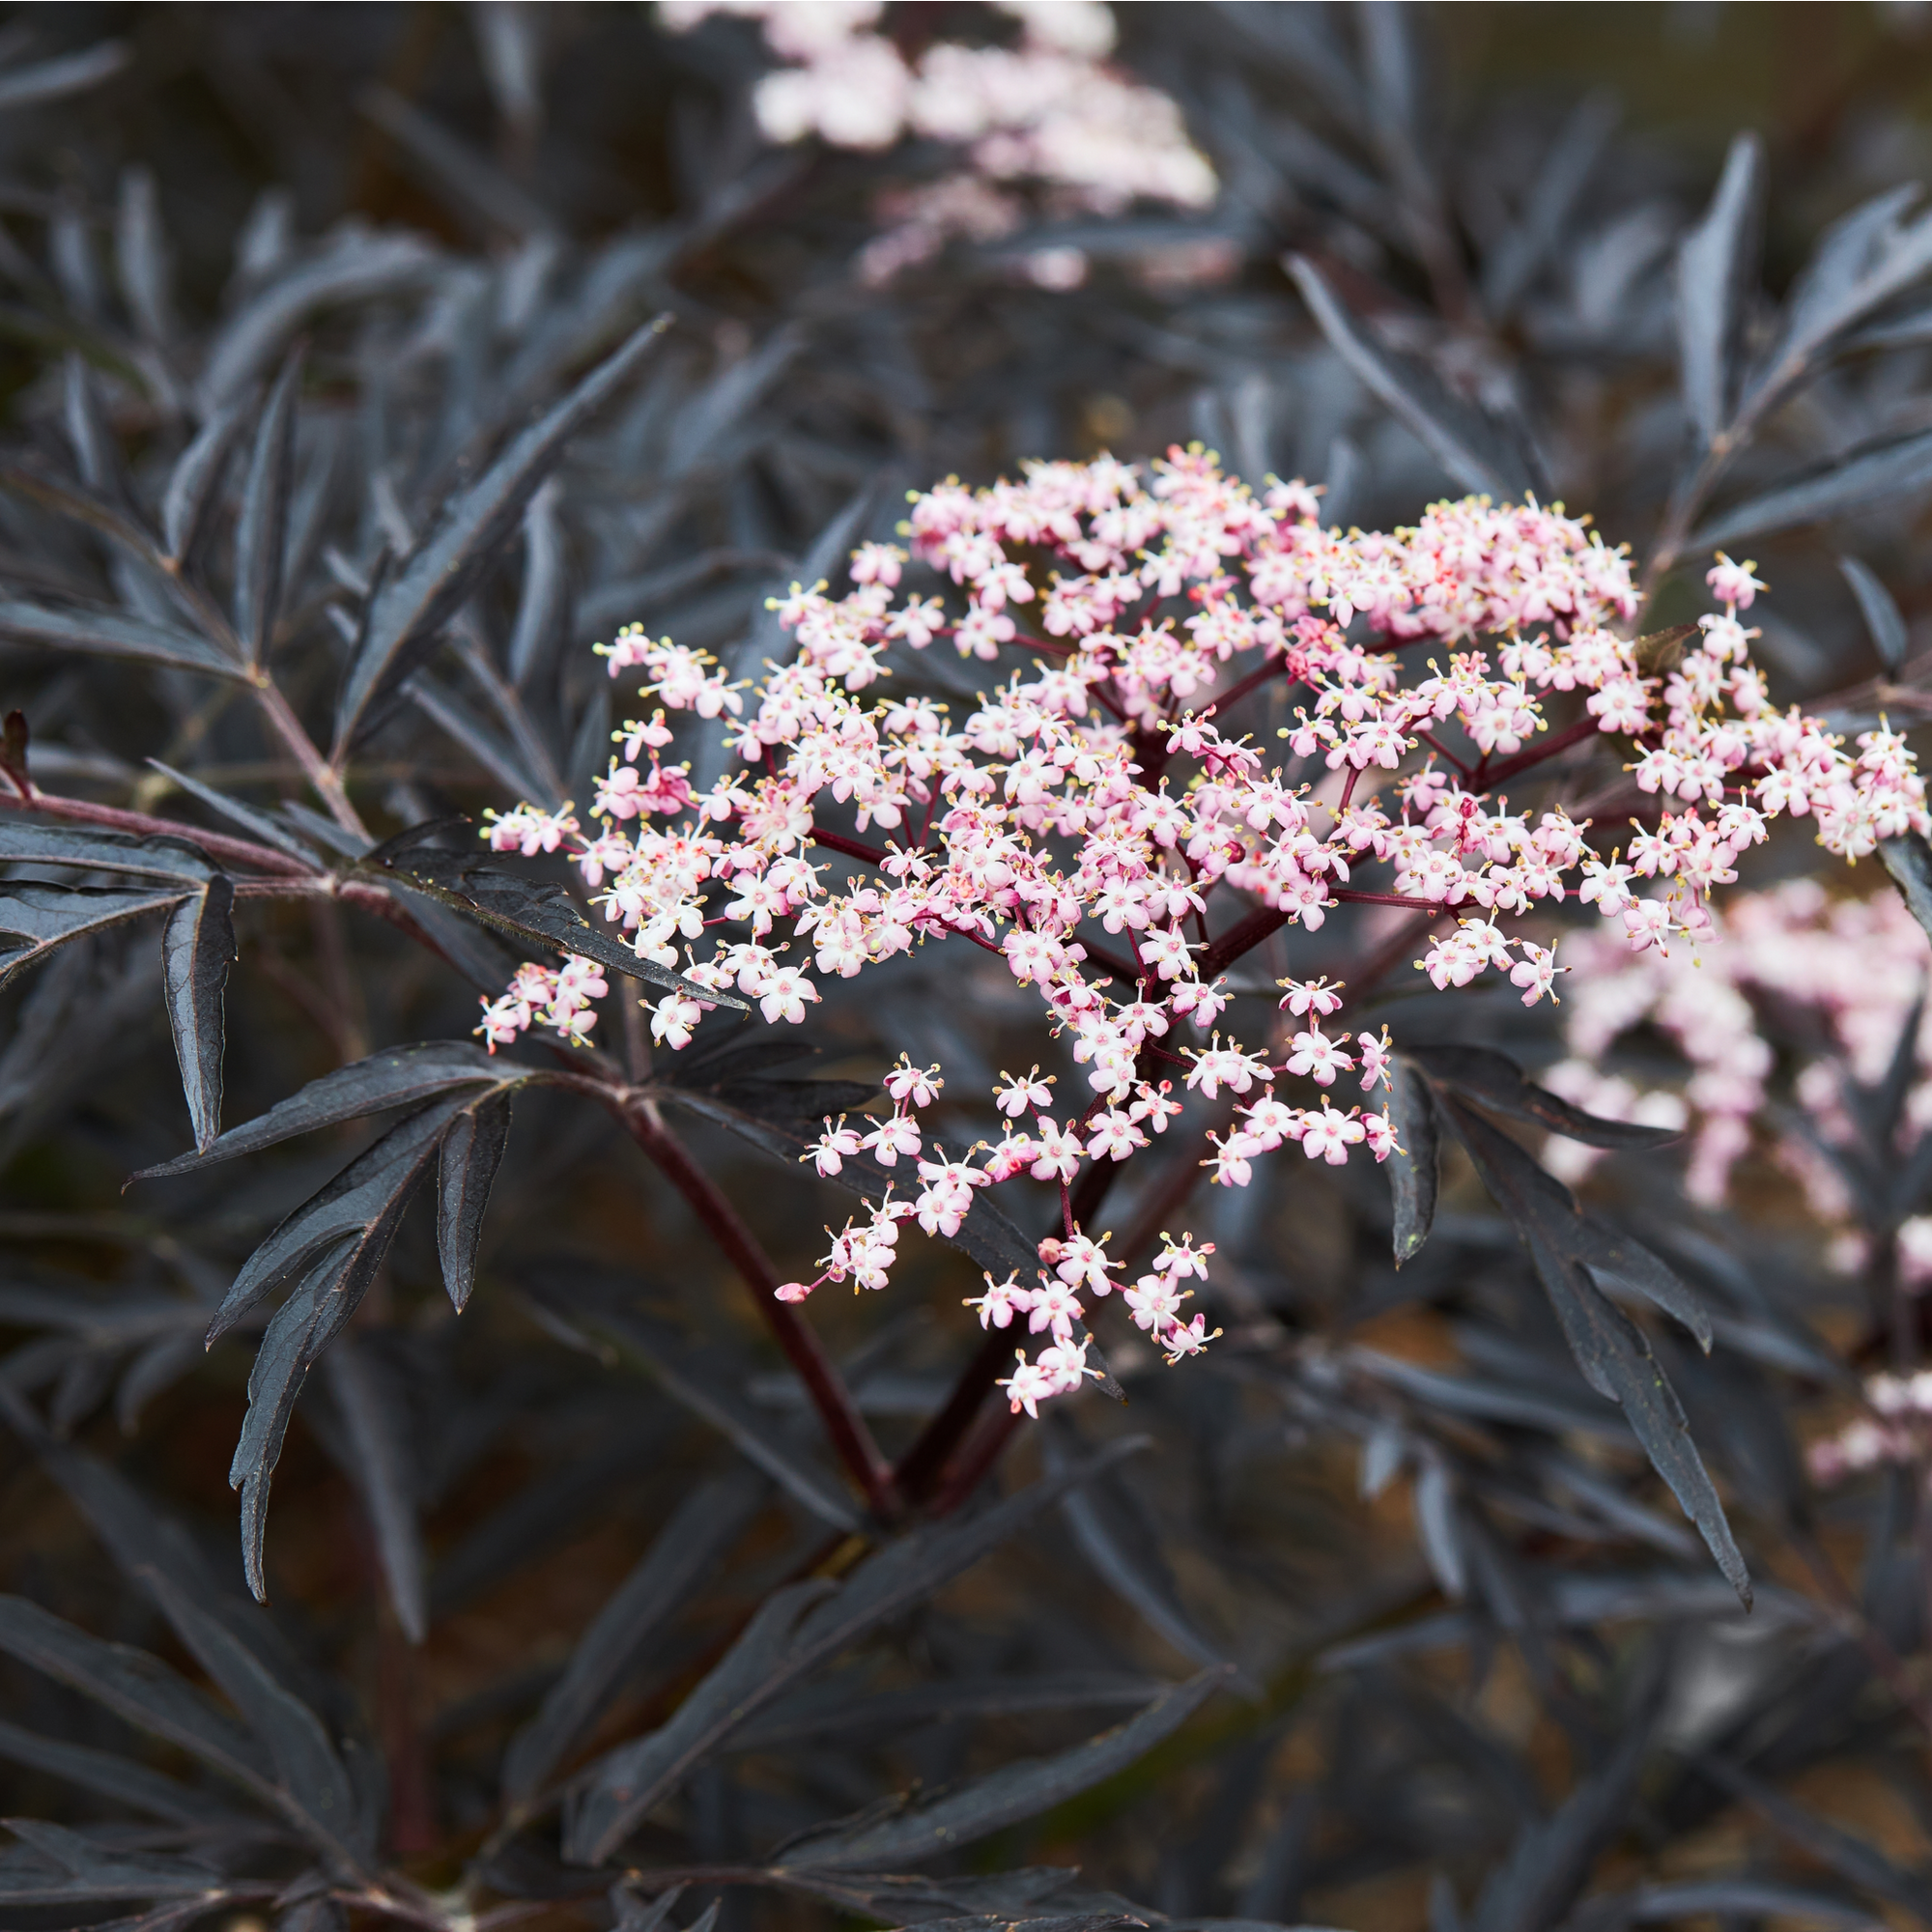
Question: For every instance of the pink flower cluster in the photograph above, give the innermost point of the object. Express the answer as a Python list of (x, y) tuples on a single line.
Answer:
[(559, 998), (1084, 818), (1050, 113), (1856, 967), (1054, 1307), (1898, 1430)]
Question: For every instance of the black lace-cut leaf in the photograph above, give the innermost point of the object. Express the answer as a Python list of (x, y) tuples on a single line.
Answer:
[(376, 1450), (54, 1866), (353, 265), (419, 598), (536, 914), (312, 1784), (1716, 275), (358, 1202), (1014, 1792), (1120, 1542), (194, 482), (104, 1773), (1860, 263), (703, 1380), (1482, 1074), (1466, 443), (1908, 858), (63, 75), (472, 1151), (399, 1077), (113, 634), (1413, 1167), (136, 1687), (798, 1629), (197, 950), (1897, 466), (270, 831), (686, 1550), (261, 534), (1609, 1348), (46, 917), (32, 842), (1880, 609)]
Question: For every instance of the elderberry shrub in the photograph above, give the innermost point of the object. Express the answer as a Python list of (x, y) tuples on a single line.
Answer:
[(1374, 1027)]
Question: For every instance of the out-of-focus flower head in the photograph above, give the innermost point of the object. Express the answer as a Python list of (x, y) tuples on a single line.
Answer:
[(1050, 115)]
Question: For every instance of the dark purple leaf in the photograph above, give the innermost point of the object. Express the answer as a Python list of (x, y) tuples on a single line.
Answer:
[(269, 830), (797, 1630), (543, 605), (354, 266), (375, 1444), (1481, 1073), (1908, 858), (1013, 1793), (48, 918), (1467, 444), (1120, 1545), (323, 1301), (64, 74), (312, 1785), (195, 481), (28, 842), (135, 1686), (197, 950), (398, 1077), (1900, 465), (71, 1869), (707, 1386), (1412, 1168), (411, 608), (141, 255), (1610, 1350), (112, 634), (96, 455), (1717, 276), (363, 1204), (696, 1537), (106, 1774), (472, 1151), (260, 534), (1880, 609)]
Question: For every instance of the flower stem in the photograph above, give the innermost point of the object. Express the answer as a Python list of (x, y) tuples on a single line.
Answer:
[(1488, 776), (853, 849), (850, 1436), (320, 773), (217, 845)]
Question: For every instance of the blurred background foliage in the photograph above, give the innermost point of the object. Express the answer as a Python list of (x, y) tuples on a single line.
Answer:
[(1489, 1679)]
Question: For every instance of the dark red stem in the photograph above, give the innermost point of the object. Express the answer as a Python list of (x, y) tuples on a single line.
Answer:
[(853, 849), (846, 1428), (1352, 897), (1234, 692), (217, 845), (1441, 750), (975, 1459), (1239, 938), (1489, 777), (920, 1466)]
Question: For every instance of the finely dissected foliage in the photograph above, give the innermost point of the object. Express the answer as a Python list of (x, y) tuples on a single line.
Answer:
[(1534, 1534)]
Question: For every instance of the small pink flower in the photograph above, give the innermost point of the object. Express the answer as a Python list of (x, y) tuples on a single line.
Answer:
[(1733, 584)]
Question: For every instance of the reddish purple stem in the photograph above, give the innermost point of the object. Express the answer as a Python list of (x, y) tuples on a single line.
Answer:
[(850, 1435)]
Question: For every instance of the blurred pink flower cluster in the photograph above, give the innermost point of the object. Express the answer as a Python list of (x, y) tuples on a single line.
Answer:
[(1851, 967), (1898, 1429), (1084, 816), (1050, 115)]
